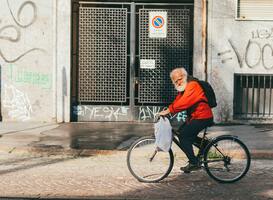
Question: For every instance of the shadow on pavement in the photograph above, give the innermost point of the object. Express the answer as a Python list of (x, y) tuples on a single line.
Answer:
[(192, 186), (198, 185), (28, 163)]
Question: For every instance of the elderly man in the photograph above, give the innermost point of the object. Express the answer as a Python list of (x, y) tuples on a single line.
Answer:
[(191, 98)]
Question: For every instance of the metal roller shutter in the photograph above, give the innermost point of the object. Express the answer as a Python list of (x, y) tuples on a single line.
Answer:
[(255, 9)]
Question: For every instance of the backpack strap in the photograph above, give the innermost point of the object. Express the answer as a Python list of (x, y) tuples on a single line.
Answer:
[(194, 106)]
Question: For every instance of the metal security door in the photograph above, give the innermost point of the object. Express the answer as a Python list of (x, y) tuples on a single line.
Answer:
[(110, 40), (102, 55), (175, 50), (102, 73)]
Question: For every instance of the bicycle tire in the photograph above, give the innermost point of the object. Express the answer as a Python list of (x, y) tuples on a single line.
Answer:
[(140, 166), (232, 164)]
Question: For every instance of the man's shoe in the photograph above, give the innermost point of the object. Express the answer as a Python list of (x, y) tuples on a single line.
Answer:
[(190, 167)]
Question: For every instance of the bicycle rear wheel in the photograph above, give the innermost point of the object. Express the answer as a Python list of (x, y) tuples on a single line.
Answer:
[(146, 164), (226, 159)]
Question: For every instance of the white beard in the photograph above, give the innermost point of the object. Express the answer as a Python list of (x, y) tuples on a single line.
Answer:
[(181, 88)]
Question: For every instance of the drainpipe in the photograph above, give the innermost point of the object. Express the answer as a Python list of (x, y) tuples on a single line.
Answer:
[(204, 38)]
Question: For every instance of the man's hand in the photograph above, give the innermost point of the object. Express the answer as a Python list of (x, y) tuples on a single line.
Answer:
[(164, 112)]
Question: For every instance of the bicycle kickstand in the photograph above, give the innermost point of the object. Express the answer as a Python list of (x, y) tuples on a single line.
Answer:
[(151, 159)]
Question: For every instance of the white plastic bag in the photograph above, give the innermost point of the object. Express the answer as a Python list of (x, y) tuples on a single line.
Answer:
[(163, 134)]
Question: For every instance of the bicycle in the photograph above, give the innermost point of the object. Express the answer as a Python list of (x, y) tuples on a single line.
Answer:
[(225, 158)]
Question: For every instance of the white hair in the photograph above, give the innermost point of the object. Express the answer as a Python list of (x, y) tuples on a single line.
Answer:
[(179, 70)]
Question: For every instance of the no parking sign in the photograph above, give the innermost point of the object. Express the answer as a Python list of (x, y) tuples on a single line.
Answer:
[(157, 24)]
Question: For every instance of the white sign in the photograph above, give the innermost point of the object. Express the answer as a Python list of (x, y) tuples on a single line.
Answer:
[(157, 24), (147, 64)]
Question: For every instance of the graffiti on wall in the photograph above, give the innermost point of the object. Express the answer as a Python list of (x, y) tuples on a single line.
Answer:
[(22, 76), (262, 33), (181, 116), (21, 17), (150, 113), (121, 113), (12, 33), (17, 103), (260, 45), (107, 113), (264, 55)]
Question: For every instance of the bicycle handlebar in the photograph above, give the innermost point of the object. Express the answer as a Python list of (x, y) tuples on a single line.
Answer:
[(157, 117)]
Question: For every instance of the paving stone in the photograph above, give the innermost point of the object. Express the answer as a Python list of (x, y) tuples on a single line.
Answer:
[(106, 176)]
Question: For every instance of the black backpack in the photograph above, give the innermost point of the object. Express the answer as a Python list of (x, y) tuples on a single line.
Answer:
[(208, 90)]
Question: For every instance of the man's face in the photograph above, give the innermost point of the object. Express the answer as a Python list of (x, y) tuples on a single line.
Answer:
[(179, 81)]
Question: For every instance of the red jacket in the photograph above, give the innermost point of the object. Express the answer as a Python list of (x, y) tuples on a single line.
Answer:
[(193, 93)]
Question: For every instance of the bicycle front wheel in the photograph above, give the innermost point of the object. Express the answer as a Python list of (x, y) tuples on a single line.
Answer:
[(147, 164), (226, 159)]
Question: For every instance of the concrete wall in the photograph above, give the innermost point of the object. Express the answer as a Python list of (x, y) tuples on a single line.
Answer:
[(34, 69), (235, 47), (198, 45)]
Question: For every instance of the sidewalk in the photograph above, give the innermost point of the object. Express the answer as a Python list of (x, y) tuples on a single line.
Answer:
[(88, 138)]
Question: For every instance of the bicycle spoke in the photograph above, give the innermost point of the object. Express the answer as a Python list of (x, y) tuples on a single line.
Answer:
[(146, 163), (227, 159)]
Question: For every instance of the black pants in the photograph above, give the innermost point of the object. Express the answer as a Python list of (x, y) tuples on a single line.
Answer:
[(188, 135)]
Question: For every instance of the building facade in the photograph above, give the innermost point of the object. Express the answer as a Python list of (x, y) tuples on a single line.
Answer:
[(240, 62), (76, 60)]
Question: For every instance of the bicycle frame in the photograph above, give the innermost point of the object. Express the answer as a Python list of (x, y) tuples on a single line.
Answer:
[(200, 153), (202, 148)]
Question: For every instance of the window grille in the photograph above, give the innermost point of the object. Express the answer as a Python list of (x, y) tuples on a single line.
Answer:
[(253, 96)]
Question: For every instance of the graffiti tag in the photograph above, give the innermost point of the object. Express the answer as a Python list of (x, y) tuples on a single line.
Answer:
[(17, 102), (107, 113)]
